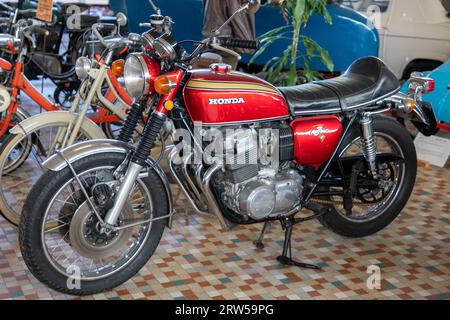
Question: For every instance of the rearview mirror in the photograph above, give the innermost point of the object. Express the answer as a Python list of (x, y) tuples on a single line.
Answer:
[(253, 6), (122, 19)]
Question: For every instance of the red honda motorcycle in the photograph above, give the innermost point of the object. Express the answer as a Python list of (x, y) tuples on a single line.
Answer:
[(243, 151)]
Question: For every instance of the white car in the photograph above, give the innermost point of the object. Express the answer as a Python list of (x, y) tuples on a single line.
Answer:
[(414, 34)]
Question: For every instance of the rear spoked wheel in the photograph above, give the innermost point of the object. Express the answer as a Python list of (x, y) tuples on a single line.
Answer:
[(377, 201)]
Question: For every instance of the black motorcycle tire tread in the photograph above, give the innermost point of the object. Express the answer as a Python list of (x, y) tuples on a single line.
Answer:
[(32, 215), (336, 223)]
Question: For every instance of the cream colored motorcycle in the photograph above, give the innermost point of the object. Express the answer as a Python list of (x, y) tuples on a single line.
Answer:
[(51, 131)]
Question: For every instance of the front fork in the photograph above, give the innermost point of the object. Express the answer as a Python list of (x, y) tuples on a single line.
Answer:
[(151, 132), (138, 162)]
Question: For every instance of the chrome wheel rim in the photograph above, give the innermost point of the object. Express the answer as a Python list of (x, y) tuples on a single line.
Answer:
[(373, 212), (62, 255)]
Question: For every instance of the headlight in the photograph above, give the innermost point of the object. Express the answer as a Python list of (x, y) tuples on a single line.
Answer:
[(136, 76), (82, 68)]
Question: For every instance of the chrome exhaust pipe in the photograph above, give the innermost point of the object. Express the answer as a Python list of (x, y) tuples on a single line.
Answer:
[(212, 203), (191, 183), (180, 183)]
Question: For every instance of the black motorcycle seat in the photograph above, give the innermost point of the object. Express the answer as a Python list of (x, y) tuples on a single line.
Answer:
[(367, 81)]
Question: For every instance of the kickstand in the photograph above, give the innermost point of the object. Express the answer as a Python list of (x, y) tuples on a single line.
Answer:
[(286, 257), (259, 243)]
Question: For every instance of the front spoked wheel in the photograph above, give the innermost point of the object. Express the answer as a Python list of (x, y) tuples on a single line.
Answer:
[(60, 235), (376, 202)]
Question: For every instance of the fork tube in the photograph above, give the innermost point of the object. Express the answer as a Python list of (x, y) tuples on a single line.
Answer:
[(92, 92), (63, 132), (122, 196), (138, 162)]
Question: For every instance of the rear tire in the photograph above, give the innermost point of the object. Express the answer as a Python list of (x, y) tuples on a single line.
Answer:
[(342, 226)]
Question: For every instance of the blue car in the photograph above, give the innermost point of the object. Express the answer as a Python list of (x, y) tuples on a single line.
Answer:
[(439, 99), (350, 37)]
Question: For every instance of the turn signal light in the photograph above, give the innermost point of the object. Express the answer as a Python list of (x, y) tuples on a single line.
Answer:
[(118, 68), (409, 105), (163, 85)]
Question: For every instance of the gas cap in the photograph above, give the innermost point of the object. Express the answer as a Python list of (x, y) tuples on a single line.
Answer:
[(221, 67)]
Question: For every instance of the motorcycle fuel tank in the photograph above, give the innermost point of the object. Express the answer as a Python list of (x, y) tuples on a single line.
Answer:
[(315, 139), (217, 96)]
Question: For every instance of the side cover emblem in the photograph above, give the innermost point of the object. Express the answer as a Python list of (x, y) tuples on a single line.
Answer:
[(320, 132)]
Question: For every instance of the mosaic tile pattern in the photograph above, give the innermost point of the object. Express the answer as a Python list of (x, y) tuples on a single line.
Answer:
[(196, 260)]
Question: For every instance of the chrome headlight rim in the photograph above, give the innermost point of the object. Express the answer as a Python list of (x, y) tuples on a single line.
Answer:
[(82, 67), (145, 76), (165, 47)]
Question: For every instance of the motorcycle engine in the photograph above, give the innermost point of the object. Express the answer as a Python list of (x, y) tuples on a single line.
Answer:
[(255, 189)]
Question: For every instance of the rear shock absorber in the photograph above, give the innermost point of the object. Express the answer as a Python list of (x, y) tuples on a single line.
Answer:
[(369, 145), (126, 134)]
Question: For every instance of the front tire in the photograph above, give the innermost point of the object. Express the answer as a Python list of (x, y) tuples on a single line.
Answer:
[(33, 229), (342, 225)]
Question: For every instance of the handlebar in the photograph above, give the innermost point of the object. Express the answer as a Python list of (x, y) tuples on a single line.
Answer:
[(132, 39), (96, 28), (238, 43)]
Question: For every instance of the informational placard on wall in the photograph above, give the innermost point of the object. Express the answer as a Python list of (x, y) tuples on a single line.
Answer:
[(434, 150), (45, 10)]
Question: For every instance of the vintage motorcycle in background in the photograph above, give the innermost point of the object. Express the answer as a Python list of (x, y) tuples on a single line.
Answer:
[(36, 138), (103, 205), (55, 52)]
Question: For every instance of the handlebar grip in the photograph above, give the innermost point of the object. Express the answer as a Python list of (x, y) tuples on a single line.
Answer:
[(239, 43), (108, 27)]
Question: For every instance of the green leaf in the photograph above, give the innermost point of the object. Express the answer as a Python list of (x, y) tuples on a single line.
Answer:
[(296, 13), (299, 12), (272, 32), (292, 76)]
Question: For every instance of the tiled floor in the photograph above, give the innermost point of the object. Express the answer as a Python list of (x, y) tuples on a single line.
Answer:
[(195, 260)]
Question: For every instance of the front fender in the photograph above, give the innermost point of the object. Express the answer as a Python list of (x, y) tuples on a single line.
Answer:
[(88, 148), (57, 118)]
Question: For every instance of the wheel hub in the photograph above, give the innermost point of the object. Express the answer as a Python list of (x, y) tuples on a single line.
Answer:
[(87, 239)]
